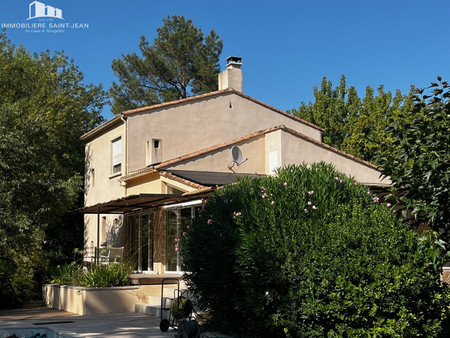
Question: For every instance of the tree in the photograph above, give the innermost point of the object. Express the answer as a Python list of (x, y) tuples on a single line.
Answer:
[(418, 162), (332, 110), (44, 109), (180, 62), (354, 125)]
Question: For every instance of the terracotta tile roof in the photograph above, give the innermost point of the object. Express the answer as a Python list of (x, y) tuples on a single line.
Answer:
[(213, 148), (217, 93), (211, 178), (166, 164), (182, 180)]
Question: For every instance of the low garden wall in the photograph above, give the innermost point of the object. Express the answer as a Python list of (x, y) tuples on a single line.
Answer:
[(91, 301)]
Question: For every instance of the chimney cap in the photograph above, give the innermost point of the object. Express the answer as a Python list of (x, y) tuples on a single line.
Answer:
[(234, 61)]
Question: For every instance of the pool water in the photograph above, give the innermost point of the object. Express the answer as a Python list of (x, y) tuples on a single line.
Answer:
[(28, 332)]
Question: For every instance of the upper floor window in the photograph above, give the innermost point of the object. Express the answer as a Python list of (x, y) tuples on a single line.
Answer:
[(154, 151), (117, 156)]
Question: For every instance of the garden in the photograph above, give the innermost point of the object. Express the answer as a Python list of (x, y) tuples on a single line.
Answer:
[(310, 252)]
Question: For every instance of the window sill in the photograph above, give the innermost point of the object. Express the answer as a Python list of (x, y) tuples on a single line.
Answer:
[(115, 175)]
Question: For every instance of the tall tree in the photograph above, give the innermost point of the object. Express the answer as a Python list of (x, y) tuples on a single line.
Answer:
[(44, 109), (418, 161), (180, 62), (331, 110), (353, 124)]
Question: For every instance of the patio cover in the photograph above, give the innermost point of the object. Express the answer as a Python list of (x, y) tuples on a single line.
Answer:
[(135, 202)]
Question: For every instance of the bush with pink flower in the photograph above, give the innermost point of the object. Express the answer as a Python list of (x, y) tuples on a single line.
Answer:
[(310, 253)]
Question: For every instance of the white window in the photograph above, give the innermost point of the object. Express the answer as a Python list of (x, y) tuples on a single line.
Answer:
[(117, 156)]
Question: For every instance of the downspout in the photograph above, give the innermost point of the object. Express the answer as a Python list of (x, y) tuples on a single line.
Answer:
[(97, 254), (125, 121)]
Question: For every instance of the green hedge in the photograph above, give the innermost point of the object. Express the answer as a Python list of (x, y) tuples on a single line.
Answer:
[(310, 252)]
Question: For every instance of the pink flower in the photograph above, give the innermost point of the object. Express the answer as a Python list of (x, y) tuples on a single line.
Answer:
[(263, 189), (285, 183), (340, 181), (264, 195), (388, 205), (305, 211), (184, 233), (176, 248), (209, 221), (272, 203), (336, 178), (237, 213), (376, 199), (310, 192), (314, 207), (309, 203), (355, 183)]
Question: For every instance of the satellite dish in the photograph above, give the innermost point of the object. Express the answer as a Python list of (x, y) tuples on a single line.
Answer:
[(236, 154)]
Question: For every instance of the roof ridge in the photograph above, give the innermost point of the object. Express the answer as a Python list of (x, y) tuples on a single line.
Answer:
[(206, 150), (218, 92), (216, 147)]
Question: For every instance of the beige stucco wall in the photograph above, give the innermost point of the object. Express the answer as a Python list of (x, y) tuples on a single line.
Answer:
[(100, 184), (92, 301), (193, 126), (221, 160), (297, 151)]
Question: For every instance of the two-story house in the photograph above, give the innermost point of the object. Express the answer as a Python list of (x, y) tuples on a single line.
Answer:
[(149, 169)]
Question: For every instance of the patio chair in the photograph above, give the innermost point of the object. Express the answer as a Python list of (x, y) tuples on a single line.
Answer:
[(104, 256), (115, 254)]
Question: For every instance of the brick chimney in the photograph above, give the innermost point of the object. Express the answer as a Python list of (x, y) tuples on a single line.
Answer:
[(232, 76)]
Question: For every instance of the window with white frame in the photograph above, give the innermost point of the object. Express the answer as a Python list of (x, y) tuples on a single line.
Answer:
[(117, 156), (178, 221)]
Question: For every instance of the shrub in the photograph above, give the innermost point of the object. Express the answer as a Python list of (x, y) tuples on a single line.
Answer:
[(67, 274), (107, 276), (310, 253), (96, 277)]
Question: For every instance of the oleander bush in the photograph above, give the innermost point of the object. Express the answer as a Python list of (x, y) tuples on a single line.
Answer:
[(310, 252)]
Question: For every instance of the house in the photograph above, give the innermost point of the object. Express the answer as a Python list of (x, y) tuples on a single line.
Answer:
[(149, 169)]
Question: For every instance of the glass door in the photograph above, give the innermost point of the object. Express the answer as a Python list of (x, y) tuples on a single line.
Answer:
[(141, 242), (177, 224)]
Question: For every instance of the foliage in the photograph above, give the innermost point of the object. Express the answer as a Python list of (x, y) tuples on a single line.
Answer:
[(310, 252), (107, 276), (180, 61), (418, 162), (44, 109), (96, 277), (353, 124), (67, 274)]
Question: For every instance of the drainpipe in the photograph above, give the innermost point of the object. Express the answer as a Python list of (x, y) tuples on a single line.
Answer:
[(124, 119), (97, 253)]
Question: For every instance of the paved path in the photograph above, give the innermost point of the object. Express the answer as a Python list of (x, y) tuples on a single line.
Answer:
[(67, 324)]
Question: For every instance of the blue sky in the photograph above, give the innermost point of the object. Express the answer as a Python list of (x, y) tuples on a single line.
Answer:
[(286, 46)]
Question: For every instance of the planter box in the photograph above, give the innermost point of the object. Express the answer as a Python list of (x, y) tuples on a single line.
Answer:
[(91, 301)]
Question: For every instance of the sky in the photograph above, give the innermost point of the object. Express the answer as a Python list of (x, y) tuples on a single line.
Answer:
[(287, 47)]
